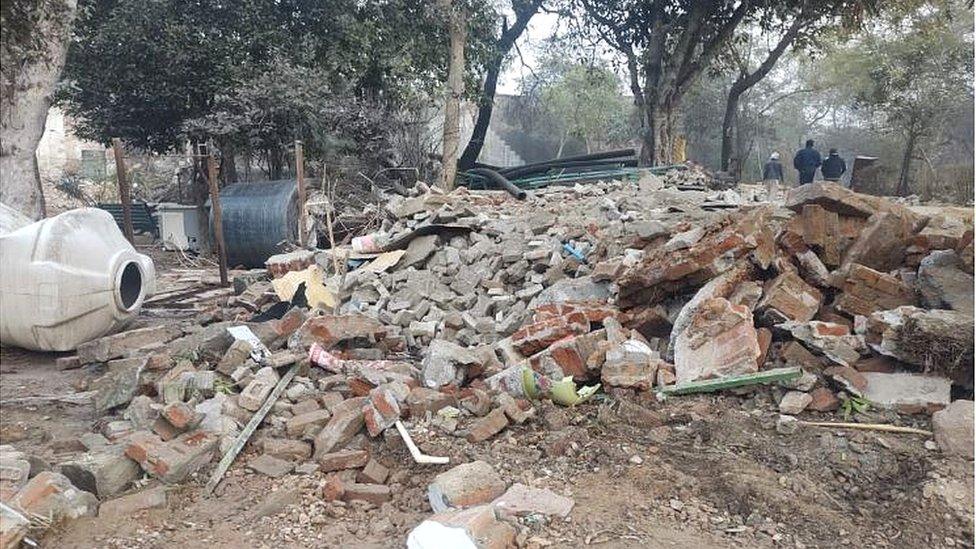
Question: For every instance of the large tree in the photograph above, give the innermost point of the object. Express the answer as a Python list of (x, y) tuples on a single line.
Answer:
[(914, 71), (32, 51), (668, 44), (142, 69), (583, 101), (523, 10)]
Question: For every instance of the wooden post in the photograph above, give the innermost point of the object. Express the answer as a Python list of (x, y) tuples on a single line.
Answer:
[(218, 221), (300, 177), (125, 194)]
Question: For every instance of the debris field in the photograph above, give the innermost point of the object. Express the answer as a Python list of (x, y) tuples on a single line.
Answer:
[(625, 364)]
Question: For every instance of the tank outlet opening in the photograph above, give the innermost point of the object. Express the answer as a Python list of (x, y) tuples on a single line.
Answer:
[(130, 286)]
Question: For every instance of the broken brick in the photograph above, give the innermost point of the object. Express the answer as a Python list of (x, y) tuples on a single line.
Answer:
[(172, 461), (381, 411), (347, 420), (720, 340), (537, 336), (488, 426), (343, 459), (373, 473), (789, 297), (480, 524), (866, 291), (422, 400), (465, 485), (377, 494)]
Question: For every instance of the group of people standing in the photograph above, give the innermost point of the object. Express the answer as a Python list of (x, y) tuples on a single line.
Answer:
[(806, 161)]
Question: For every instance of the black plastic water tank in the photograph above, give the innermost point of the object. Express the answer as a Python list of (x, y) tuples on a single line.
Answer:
[(258, 219)]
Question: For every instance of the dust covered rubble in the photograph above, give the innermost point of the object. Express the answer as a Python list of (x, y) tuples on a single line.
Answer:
[(465, 308)]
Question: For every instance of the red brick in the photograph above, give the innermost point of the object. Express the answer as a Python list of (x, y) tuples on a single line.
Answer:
[(720, 340), (765, 338), (181, 415), (852, 376), (662, 273), (879, 364), (593, 311), (881, 244), (422, 400), (824, 400), (52, 495), (567, 356), (866, 291), (826, 329), (347, 420), (330, 330), (174, 460), (481, 526), (377, 494), (789, 297), (291, 322), (537, 336), (475, 401), (343, 459), (297, 425), (334, 488), (281, 264), (465, 485), (650, 321), (488, 426), (282, 448), (373, 473)]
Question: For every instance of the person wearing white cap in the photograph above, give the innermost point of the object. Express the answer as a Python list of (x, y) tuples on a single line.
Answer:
[(773, 176)]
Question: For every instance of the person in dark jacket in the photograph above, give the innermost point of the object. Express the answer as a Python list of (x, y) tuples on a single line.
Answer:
[(806, 161), (773, 176), (833, 167)]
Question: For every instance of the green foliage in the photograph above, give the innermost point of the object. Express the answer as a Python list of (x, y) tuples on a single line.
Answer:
[(854, 405), (584, 102), (149, 71)]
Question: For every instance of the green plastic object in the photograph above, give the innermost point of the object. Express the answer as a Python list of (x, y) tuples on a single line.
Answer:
[(720, 383), (564, 392)]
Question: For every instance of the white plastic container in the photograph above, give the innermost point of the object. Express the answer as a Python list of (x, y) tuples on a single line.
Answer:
[(69, 279)]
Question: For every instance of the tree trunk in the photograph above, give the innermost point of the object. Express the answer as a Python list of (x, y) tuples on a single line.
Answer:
[(729, 123), (658, 146), (455, 88), (562, 143), (906, 165), (28, 79), (228, 163), (486, 103)]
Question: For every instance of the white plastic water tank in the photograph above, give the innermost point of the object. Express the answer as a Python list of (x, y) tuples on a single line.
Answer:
[(69, 279)]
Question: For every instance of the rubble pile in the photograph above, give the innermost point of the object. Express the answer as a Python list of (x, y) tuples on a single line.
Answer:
[(465, 309)]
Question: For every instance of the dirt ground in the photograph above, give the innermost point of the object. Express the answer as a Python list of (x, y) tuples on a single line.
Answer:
[(698, 471)]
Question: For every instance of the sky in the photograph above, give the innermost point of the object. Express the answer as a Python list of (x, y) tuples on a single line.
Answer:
[(540, 27)]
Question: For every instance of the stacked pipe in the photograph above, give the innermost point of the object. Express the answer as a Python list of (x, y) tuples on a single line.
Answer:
[(508, 178)]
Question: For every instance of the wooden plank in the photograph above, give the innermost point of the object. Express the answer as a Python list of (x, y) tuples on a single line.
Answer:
[(217, 216), (241, 440), (729, 382), (125, 191), (302, 196)]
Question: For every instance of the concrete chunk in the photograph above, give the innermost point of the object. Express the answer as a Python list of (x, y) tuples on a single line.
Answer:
[(465, 485), (907, 393)]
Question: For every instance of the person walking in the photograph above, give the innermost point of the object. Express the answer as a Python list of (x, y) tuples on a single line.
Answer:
[(833, 167), (773, 176), (806, 161)]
